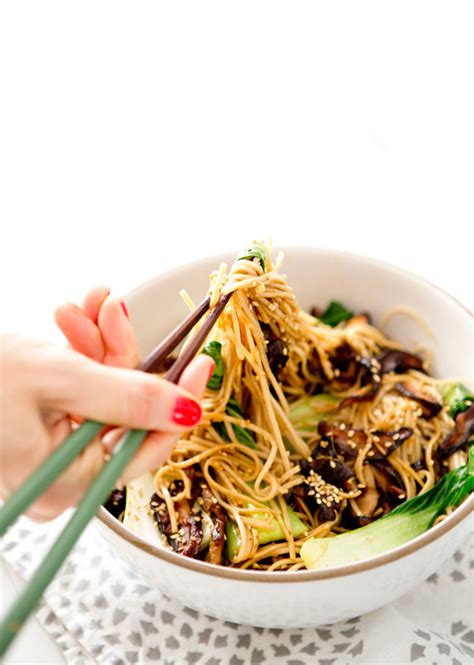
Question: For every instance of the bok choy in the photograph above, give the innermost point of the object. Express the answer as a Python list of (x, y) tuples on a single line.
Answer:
[(457, 399), (407, 521)]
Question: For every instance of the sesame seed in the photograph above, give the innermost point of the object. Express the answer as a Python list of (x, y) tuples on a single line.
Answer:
[(370, 453), (332, 464), (350, 433), (396, 436), (342, 426), (402, 496)]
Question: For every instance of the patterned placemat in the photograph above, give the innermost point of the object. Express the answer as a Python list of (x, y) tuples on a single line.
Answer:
[(100, 611)]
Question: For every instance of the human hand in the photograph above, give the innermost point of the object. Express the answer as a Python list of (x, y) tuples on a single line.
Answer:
[(42, 384)]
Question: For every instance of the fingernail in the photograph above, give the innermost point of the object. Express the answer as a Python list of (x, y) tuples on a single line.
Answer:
[(211, 371), (125, 310), (186, 412)]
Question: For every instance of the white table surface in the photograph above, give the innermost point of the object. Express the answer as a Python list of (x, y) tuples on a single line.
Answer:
[(137, 137)]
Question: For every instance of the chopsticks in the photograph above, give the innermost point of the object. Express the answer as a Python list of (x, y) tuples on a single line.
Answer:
[(103, 483), (62, 457)]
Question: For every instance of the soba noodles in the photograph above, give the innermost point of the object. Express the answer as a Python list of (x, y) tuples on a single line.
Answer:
[(308, 430)]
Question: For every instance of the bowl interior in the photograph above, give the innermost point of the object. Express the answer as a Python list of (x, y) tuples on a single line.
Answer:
[(318, 276)]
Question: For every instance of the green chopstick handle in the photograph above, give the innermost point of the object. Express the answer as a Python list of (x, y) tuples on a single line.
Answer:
[(96, 495), (51, 468)]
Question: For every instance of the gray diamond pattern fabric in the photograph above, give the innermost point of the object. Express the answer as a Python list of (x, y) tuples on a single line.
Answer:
[(100, 611)]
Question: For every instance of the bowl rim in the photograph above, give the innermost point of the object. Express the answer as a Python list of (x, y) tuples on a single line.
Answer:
[(245, 575)]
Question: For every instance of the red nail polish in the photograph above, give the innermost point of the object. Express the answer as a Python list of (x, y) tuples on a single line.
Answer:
[(186, 412), (125, 310)]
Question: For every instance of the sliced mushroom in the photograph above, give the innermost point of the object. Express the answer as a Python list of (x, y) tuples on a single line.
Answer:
[(390, 441), (277, 351), (322, 497), (368, 500), (187, 540), (399, 362), (345, 366), (333, 471), (189, 537), (368, 374), (388, 480), (116, 503), (385, 466), (327, 513), (429, 408), (462, 432), (347, 441), (366, 397), (161, 514), (216, 513)]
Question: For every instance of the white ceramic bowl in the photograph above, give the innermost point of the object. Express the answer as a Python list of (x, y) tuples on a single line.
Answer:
[(307, 598)]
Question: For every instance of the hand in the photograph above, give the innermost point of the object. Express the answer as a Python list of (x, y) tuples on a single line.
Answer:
[(42, 384)]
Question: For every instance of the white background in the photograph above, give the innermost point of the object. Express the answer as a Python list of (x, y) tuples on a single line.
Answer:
[(137, 136)]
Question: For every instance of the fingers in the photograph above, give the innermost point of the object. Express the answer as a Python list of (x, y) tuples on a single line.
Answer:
[(196, 376), (67, 491), (76, 384), (152, 454), (120, 342), (69, 488), (81, 333), (158, 445), (100, 330), (94, 301)]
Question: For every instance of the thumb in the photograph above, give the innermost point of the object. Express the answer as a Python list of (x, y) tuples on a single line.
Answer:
[(77, 384)]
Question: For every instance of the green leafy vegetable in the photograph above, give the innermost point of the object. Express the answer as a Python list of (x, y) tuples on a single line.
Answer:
[(309, 410), (335, 313), (268, 534), (457, 399), (407, 521), (214, 350), (242, 435), (255, 251)]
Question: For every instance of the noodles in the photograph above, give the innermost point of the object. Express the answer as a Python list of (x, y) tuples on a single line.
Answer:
[(275, 478)]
